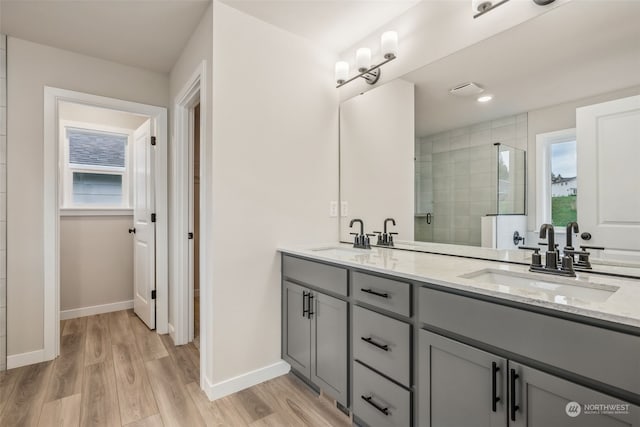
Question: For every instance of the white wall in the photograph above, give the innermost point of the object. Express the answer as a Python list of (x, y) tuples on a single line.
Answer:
[(99, 116), (553, 118), (96, 261), (434, 29), (31, 67), (376, 160), (274, 171)]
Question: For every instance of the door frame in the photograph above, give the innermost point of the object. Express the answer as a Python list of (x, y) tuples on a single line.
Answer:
[(51, 232), (181, 329)]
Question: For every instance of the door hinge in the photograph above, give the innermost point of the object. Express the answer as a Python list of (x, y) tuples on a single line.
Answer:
[(153, 217), (153, 140), (190, 236), (153, 294)]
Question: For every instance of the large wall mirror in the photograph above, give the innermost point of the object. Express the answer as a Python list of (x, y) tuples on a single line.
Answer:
[(558, 141)]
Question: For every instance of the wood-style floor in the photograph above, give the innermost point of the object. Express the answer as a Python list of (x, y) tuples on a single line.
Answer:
[(114, 371)]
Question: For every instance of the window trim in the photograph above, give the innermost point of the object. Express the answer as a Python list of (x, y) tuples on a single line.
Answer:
[(544, 141), (67, 169)]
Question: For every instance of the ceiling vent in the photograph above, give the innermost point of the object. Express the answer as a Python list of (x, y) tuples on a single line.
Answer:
[(466, 89)]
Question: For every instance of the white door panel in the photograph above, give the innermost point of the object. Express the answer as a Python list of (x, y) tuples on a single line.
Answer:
[(608, 138), (143, 208)]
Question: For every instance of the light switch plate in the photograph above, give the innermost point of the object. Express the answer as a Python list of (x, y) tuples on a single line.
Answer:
[(333, 209)]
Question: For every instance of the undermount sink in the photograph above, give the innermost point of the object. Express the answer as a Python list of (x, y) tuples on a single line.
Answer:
[(554, 289)]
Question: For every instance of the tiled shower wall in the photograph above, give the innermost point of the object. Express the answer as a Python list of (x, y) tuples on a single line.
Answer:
[(3, 202), (456, 178)]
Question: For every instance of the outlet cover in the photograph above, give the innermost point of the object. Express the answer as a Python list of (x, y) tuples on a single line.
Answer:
[(333, 209), (344, 209)]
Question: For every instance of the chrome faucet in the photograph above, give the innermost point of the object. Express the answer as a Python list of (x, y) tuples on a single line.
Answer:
[(386, 238), (360, 240)]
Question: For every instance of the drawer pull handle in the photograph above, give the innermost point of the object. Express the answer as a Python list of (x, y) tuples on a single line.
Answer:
[(378, 294), (369, 400), (311, 312), (512, 397), (370, 340), (305, 307), (494, 398)]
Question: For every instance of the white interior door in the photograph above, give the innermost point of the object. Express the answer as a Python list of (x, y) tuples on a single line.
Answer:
[(608, 140), (144, 269)]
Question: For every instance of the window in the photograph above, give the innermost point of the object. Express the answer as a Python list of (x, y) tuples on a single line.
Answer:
[(95, 170), (556, 167), (564, 189)]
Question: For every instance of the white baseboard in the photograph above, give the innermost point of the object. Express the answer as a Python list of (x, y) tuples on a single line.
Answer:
[(24, 359), (95, 309), (241, 382)]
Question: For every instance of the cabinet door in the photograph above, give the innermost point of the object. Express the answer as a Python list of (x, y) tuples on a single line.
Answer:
[(297, 328), (329, 345), (544, 400), (460, 386)]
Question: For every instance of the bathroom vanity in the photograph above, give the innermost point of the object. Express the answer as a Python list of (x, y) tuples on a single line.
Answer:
[(401, 338)]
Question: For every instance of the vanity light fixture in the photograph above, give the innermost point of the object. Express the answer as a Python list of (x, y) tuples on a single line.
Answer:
[(485, 98), (370, 73), (480, 7)]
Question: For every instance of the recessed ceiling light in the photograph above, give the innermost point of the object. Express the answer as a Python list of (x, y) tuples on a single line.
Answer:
[(485, 98)]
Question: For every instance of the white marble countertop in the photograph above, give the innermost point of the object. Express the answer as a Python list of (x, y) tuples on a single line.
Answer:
[(607, 298)]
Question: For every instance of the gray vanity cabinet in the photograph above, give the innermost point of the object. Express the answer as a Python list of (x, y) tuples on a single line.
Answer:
[(297, 328), (463, 386), (460, 386), (329, 346), (544, 400), (315, 338)]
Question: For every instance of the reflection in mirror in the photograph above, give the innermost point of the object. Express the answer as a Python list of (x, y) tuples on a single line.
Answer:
[(482, 170), (466, 174)]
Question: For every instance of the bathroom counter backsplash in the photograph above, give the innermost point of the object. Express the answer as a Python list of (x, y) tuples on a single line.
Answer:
[(601, 297)]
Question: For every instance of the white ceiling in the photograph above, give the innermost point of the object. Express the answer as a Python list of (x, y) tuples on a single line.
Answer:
[(332, 24), (148, 34), (575, 51)]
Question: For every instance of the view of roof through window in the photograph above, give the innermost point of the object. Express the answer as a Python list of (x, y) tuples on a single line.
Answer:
[(88, 147)]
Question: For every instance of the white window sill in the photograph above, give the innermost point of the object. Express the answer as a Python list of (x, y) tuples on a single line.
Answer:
[(96, 212)]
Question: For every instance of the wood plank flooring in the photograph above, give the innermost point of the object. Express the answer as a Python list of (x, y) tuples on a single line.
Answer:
[(114, 371)]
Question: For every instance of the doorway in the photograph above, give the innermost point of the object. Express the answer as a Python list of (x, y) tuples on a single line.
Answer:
[(195, 219), (152, 269), (98, 170), (191, 282)]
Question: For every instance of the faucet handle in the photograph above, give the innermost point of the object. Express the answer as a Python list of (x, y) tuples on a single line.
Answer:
[(546, 244), (595, 248), (536, 258)]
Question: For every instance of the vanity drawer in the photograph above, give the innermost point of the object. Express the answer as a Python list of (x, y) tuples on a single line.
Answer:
[(333, 279), (607, 356), (388, 294), (382, 343), (379, 402)]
